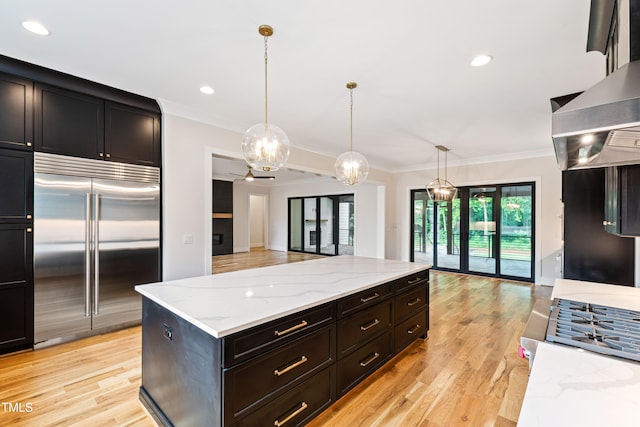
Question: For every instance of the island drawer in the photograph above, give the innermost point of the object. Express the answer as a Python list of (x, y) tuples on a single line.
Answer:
[(412, 328), (297, 406), (359, 364), (255, 341), (410, 301), (411, 280), (362, 326), (355, 302), (248, 384)]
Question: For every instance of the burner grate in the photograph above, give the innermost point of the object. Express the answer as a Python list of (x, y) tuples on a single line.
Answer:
[(602, 329)]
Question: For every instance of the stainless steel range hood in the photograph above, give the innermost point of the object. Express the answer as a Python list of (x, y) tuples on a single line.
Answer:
[(601, 126)]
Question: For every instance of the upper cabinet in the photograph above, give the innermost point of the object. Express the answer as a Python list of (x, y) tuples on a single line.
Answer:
[(622, 198), (69, 123), (16, 113), (131, 135), (75, 124)]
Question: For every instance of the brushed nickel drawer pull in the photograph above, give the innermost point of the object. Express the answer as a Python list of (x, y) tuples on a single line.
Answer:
[(372, 297), (414, 302), (291, 329), (369, 325), (414, 329), (373, 357), (302, 407), (414, 281), (302, 360)]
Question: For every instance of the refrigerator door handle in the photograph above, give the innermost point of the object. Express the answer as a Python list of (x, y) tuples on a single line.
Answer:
[(96, 255), (87, 257)]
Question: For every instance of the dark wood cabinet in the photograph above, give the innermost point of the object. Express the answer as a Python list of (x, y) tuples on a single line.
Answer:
[(285, 371), (622, 200), (591, 253), (16, 186), (131, 135), (16, 249), (16, 113), (16, 287), (68, 123), (79, 125)]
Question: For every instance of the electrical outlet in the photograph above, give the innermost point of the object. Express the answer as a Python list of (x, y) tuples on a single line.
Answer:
[(187, 239)]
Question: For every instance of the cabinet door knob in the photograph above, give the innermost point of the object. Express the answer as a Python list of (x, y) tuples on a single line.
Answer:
[(29, 216), (29, 144), (108, 155), (101, 154), (29, 230)]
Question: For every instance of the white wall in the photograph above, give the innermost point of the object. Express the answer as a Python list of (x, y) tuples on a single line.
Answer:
[(186, 198)]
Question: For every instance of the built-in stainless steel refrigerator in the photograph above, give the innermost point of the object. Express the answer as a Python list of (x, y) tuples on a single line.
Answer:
[(96, 236)]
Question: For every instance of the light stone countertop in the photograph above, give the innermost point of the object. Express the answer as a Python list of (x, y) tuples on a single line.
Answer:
[(571, 387), (222, 304), (574, 387), (626, 297)]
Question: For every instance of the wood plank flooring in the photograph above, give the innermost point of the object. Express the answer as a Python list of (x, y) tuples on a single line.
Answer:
[(467, 373), (257, 257)]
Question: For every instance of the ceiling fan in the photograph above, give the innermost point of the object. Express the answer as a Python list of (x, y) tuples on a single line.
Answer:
[(249, 176)]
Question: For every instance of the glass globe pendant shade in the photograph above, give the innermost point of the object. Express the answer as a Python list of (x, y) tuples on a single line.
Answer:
[(351, 168), (441, 190), (265, 147)]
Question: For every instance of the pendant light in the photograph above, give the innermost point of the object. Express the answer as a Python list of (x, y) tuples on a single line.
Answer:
[(265, 146), (351, 167), (441, 190)]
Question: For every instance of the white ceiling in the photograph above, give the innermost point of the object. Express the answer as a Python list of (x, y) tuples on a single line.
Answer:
[(410, 59)]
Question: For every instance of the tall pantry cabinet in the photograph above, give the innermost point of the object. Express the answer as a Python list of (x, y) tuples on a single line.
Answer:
[(16, 213)]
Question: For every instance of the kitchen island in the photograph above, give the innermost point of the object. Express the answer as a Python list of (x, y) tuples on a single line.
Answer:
[(278, 343), (572, 386)]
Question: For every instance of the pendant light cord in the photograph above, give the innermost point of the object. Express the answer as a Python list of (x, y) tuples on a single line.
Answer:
[(351, 124), (266, 93)]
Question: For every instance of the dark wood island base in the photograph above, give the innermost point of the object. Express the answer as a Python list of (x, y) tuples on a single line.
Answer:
[(283, 372)]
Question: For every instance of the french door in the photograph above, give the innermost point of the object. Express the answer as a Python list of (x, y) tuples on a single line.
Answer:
[(322, 224), (487, 230)]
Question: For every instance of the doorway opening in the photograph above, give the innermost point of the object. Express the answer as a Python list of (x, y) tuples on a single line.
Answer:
[(258, 227)]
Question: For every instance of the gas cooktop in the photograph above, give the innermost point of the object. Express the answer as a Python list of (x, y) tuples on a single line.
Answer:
[(597, 328)]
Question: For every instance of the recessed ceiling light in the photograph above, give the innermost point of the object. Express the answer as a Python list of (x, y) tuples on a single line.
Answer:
[(35, 27), (207, 90), (481, 60)]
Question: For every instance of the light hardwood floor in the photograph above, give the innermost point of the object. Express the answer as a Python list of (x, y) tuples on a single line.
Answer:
[(467, 373)]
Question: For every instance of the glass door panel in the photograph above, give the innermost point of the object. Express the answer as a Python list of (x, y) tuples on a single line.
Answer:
[(311, 229), (482, 230), (447, 234), (422, 228), (295, 219), (327, 241), (516, 219), (345, 225)]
